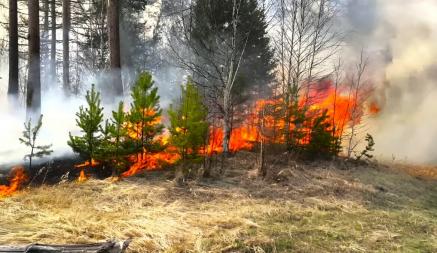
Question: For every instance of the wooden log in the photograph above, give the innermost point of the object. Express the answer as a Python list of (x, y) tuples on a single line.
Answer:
[(106, 247)]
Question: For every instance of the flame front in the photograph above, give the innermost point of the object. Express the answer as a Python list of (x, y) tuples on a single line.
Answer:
[(341, 107), (18, 177), (150, 161)]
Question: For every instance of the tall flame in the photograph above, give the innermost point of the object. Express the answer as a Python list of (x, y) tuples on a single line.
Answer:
[(18, 177)]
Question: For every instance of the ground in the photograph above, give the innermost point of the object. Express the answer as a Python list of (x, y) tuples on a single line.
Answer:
[(301, 207)]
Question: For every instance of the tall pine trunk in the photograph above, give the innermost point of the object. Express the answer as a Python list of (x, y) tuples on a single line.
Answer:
[(46, 21), (114, 46), (33, 99), (45, 51), (13, 49), (66, 21), (53, 41)]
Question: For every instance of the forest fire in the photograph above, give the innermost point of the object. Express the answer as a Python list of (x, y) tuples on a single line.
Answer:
[(342, 109), (18, 177), (266, 121)]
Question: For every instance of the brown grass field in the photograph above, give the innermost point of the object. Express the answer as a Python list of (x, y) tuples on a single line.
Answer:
[(315, 207)]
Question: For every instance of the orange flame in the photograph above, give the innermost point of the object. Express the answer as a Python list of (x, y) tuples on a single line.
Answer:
[(94, 163), (374, 108), (150, 161), (342, 109), (18, 177), (82, 176), (147, 161)]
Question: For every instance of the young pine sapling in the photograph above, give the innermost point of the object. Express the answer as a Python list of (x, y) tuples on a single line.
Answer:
[(189, 126), (117, 144), (144, 115), (30, 134), (89, 120), (369, 148)]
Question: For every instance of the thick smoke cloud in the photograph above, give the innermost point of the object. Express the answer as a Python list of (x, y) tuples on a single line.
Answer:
[(400, 38)]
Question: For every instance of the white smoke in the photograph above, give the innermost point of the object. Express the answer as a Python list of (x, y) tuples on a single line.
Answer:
[(58, 120), (400, 36), (60, 111)]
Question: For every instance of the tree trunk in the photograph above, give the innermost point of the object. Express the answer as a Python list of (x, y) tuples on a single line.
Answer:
[(46, 19), (262, 170), (288, 109), (106, 247), (53, 41), (227, 121), (45, 51), (33, 100), (13, 49), (66, 20), (114, 46)]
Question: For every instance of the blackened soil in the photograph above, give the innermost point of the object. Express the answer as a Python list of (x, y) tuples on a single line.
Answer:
[(54, 171)]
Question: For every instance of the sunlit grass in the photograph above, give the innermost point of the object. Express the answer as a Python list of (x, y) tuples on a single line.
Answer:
[(363, 210)]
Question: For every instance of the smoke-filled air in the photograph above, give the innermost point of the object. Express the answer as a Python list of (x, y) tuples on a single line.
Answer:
[(218, 126)]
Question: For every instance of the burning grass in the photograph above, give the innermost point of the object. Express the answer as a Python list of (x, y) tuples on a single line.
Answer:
[(301, 207), (17, 178)]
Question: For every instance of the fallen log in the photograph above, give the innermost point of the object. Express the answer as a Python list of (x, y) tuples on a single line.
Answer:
[(106, 247)]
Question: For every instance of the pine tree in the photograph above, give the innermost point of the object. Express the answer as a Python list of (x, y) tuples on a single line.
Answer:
[(33, 95), (114, 46), (89, 120), (144, 115), (13, 87), (66, 25), (322, 143), (188, 125), (29, 139), (117, 145), (369, 148)]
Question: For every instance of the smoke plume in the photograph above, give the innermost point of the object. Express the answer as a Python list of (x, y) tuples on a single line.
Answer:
[(400, 38)]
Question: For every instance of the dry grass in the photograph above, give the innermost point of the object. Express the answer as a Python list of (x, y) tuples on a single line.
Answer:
[(314, 208)]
